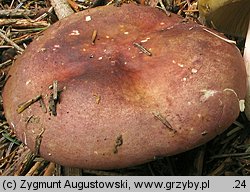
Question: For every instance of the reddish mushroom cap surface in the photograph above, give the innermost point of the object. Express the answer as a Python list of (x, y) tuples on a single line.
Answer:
[(133, 84)]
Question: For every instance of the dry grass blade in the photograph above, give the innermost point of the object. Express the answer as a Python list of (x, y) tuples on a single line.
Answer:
[(222, 38), (28, 103), (8, 40), (245, 154), (17, 164), (164, 121)]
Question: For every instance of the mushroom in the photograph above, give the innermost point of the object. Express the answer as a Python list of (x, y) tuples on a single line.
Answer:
[(113, 87), (247, 63), (230, 17)]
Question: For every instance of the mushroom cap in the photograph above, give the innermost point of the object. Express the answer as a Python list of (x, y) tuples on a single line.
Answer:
[(119, 106), (228, 16)]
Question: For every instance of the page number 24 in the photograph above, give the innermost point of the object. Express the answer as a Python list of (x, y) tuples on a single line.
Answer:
[(239, 184)]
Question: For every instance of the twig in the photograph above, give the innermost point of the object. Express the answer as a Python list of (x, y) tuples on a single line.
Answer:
[(219, 170), (23, 23), (33, 169), (55, 90), (38, 142), (188, 2), (11, 42), (26, 104), (163, 8), (50, 169), (54, 98), (44, 15), (62, 8), (42, 105), (94, 35), (143, 49), (29, 30), (73, 5), (118, 143), (5, 64), (5, 46), (18, 13)]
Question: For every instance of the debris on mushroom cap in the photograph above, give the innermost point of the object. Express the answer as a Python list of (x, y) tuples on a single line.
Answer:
[(124, 100), (228, 16)]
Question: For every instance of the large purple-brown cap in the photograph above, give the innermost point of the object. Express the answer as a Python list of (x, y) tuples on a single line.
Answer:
[(128, 83)]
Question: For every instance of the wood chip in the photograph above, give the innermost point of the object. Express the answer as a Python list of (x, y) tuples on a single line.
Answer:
[(118, 143), (55, 90), (94, 35)]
